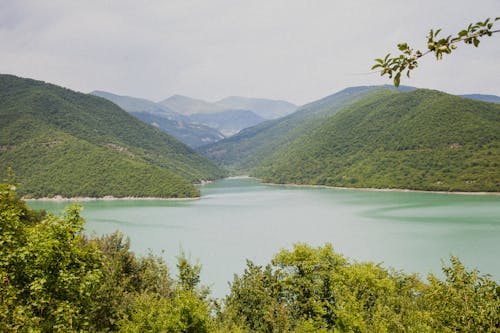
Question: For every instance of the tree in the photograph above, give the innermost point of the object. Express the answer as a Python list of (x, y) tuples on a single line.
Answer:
[(53, 278), (49, 273), (407, 60), (317, 290)]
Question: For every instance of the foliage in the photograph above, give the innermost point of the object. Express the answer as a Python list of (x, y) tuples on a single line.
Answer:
[(55, 279), (316, 290), (49, 274), (408, 57), (421, 140), (66, 143)]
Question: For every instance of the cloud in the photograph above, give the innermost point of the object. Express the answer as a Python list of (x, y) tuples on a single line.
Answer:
[(295, 50)]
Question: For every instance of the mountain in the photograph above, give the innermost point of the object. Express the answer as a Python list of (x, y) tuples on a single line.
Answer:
[(134, 104), (227, 122), (187, 105), (160, 116), (266, 108), (484, 98), (192, 134), (61, 142), (422, 139), (245, 150)]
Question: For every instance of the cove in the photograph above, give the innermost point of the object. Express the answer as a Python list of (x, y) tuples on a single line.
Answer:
[(239, 219)]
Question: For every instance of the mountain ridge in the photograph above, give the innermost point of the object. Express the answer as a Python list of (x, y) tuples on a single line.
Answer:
[(420, 140), (264, 107), (62, 142), (173, 123)]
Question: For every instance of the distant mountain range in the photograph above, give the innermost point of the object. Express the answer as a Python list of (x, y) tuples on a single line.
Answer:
[(484, 98), (228, 122), (187, 105), (179, 126), (61, 142), (197, 122), (265, 108)]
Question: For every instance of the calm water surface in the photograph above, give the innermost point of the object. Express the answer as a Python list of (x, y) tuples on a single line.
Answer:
[(239, 219)]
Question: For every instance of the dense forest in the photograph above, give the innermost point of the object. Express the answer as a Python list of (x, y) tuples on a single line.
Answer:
[(422, 140), (61, 142), (54, 278)]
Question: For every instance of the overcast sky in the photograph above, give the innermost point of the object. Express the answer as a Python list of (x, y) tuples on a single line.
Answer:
[(295, 50)]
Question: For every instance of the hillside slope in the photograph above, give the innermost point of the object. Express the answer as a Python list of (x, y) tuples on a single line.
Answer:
[(245, 150), (60, 142), (425, 140)]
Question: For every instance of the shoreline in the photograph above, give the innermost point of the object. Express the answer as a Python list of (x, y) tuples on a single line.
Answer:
[(371, 189), (59, 198)]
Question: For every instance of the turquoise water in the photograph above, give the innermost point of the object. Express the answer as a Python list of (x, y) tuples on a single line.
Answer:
[(239, 219)]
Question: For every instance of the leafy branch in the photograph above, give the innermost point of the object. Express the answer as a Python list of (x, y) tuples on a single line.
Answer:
[(408, 57)]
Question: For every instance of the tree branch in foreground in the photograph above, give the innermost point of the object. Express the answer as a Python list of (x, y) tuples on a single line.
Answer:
[(408, 58)]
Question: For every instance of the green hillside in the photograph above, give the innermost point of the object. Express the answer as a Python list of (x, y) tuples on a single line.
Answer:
[(423, 139), (247, 149), (60, 142)]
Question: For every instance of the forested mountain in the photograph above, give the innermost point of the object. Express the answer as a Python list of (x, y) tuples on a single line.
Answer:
[(61, 142), (179, 126), (192, 134), (266, 108), (248, 148), (422, 139)]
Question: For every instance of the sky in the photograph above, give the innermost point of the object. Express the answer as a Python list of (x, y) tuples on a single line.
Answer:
[(293, 50)]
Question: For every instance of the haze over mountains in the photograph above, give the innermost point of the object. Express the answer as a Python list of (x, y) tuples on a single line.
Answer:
[(266, 108), (197, 122), (162, 117)]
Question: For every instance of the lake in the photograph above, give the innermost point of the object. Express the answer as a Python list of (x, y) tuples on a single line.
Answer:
[(240, 218)]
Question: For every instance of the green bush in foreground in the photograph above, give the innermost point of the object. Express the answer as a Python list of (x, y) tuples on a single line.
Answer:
[(55, 279)]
